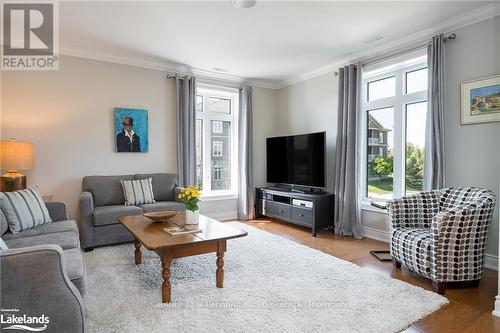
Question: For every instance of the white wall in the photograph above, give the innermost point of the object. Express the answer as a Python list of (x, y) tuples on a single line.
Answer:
[(311, 106), (472, 152), (68, 115)]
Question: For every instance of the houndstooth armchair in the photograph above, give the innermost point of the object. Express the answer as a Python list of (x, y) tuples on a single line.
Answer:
[(442, 234)]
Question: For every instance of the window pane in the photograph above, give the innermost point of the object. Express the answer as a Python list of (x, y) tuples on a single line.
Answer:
[(416, 81), (219, 105), (380, 153), (199, 103), (382, 88), (199, 152), (416, 116), (221, 157)]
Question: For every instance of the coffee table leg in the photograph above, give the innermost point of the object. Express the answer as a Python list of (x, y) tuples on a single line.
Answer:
[(166, 260), (138, 255), (219, 275)]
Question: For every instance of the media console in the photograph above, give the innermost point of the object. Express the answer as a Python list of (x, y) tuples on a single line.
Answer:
[(312, 210)]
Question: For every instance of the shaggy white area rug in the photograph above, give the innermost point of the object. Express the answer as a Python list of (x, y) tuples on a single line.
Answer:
[(271, 284)]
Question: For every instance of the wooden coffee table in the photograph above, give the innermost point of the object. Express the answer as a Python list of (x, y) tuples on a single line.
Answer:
[(151, 234)]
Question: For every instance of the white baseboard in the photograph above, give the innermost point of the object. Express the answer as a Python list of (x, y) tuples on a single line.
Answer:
[(496, 312), (490, 262), (223, 216), (376, 234)]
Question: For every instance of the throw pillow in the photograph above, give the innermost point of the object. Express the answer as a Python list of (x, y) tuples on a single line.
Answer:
[(3, 246), (138, 192), (24, 209)]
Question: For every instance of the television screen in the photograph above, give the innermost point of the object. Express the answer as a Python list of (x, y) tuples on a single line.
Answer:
[(297, 160)]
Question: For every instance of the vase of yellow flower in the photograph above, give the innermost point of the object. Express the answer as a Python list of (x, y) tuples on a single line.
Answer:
[(191, 196)]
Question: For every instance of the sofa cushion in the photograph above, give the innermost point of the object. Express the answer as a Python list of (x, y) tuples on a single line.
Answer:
[(66, 240), (106, 215), (163, 185), (163, 205), (3, 222), (24, 209), (106, 190), (50, 228)]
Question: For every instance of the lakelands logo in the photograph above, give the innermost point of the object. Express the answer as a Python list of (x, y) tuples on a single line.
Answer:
[(30, 36), (18, 322)]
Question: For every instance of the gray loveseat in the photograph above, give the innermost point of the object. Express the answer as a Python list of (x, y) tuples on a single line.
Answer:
[(43, 271), (102, 202)]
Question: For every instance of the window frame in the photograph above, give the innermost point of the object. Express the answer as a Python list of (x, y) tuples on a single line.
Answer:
[(207, 91), (398, 102)]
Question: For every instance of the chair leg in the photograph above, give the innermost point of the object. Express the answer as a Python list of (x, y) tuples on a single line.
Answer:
[(396, 263), (439, 287)]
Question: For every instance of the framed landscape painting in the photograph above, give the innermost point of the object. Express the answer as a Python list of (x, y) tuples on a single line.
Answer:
[(480, 101), (131, 130)]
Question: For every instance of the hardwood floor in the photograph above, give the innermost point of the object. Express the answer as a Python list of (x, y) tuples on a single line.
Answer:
[(469, 310)]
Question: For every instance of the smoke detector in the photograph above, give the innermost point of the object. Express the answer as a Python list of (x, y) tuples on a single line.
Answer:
[(244, 3)]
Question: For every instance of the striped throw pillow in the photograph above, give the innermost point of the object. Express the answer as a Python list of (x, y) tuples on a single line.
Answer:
[(3, 246), (24, 209), (138, 192)]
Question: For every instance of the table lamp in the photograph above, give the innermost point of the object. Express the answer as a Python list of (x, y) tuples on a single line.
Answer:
[(15, 156)]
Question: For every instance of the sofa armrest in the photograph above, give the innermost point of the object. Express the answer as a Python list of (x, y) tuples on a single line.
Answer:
[(35, 282), (177, 191), (413, 211), (85, 223), (57, 211)]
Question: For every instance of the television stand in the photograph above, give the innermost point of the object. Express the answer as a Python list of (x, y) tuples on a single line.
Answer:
[(313, 210)]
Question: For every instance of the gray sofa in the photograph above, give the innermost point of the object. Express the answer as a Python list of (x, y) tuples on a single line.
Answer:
[(102, 203), (43, 271)]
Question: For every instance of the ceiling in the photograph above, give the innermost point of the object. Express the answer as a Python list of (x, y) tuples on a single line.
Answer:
[(272, 42)]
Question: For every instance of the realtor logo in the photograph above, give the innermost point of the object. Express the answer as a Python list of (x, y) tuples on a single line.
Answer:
[(30, 36)]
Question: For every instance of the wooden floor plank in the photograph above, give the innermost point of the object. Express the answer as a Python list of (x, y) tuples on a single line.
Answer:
[(469, 309)]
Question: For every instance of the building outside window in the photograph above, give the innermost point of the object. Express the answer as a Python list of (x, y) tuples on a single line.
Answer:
[(394, 109), (217, 148), (216, 128)]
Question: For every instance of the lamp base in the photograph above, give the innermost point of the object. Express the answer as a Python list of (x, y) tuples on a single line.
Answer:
[(12, 181)]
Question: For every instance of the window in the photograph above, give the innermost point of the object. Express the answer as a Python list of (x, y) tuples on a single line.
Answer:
[(217, 148), (395, 113), (216, 126), (217, 173), (216, 140)]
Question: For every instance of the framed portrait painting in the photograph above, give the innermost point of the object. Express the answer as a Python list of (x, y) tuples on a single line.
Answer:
[(480, 100), (131, 130)]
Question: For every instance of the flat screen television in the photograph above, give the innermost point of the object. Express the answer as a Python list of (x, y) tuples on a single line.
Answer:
[(297, 160)]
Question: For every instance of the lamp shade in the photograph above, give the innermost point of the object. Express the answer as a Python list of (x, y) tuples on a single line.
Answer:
[(16, 155)]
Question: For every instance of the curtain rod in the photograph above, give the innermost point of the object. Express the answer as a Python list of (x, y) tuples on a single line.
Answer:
[(374, 60)]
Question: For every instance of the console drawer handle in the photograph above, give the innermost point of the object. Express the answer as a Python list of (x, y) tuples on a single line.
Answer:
[(280, 210), (301, 215)]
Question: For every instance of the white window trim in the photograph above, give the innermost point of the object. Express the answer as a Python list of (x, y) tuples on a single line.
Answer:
[(209, 90), (399, 103)]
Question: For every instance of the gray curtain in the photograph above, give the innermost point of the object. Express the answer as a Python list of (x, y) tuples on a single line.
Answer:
[(186, 130), (434, 162), (347, 213), (245, 156)]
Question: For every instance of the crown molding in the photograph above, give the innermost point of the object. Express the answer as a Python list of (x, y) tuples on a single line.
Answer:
[(164, 66), (474, 16), (461, 21)]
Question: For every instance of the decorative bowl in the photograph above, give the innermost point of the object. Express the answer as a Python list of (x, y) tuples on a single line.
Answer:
[(161, 216)]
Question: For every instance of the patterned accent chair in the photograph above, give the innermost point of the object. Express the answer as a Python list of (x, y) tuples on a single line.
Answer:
[(442, 234)]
